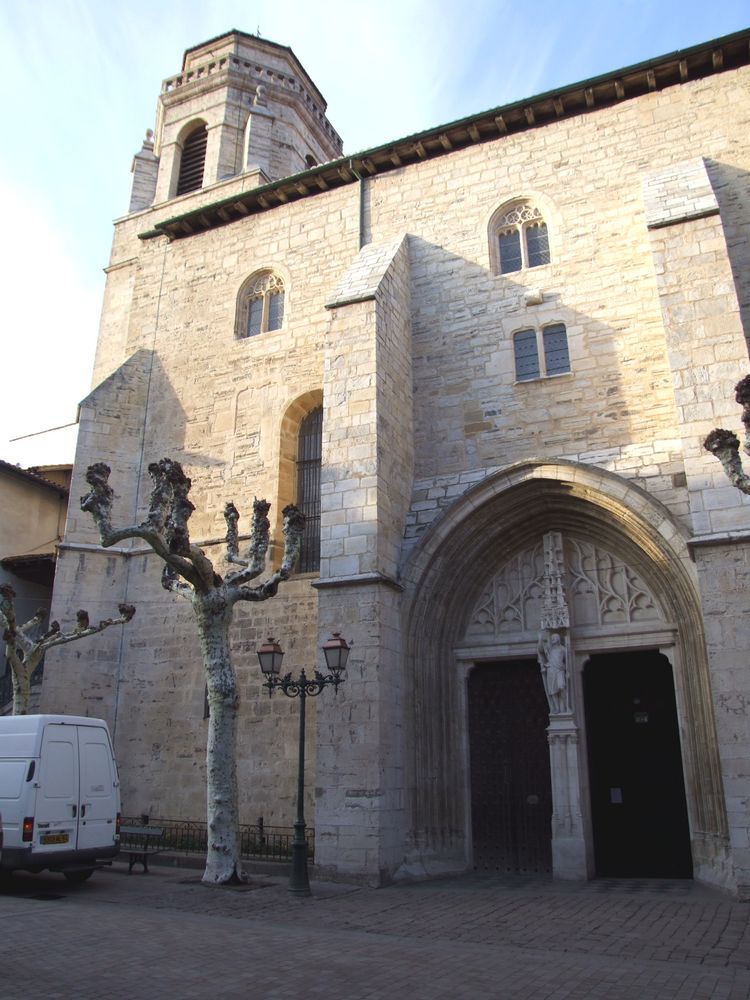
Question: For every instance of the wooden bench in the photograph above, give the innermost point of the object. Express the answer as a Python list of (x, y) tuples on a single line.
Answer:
[(140, 843)]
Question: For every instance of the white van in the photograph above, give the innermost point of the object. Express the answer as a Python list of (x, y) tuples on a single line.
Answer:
[(59, 794)]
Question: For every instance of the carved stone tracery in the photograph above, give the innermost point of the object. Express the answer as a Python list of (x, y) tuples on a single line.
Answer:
[(601, 588)]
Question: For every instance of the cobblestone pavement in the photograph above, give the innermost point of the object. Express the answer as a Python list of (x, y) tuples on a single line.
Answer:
[(165, 935)]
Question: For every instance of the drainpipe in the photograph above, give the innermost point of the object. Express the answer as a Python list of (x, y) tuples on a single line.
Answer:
[(361, 180)]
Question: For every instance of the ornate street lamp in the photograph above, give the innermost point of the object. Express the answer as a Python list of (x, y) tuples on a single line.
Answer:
[(270, 655)]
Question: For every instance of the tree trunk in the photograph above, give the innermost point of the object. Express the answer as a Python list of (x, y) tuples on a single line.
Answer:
[(21, 690), (213, 614)]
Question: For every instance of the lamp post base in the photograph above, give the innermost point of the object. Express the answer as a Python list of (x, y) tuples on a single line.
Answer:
[(299, 883)]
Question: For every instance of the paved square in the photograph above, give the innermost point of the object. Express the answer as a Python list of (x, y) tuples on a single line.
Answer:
[(167, 935)]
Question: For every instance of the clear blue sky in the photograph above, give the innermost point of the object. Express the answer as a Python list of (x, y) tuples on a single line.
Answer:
[(82, 79)]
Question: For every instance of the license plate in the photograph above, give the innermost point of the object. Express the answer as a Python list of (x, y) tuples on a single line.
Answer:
[(53, 838)]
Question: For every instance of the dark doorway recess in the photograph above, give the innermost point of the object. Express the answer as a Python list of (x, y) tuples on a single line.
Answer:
[(638, 804), (511, 799)]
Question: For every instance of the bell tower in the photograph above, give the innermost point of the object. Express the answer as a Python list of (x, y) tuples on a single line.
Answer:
[(241, 105)]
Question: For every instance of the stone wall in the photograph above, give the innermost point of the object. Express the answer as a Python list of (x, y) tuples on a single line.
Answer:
[(409, 341)]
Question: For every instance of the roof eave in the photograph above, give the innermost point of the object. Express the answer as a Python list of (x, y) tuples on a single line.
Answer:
[(586, 96)]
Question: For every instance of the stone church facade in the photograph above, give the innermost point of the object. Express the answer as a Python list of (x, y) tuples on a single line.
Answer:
[(484, 358)]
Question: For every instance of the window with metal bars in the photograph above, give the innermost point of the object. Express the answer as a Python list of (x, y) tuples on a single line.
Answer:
[(541, 353), (193, 161), (309, 452)]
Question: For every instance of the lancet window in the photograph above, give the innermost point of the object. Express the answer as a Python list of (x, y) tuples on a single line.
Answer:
[(260, 305)]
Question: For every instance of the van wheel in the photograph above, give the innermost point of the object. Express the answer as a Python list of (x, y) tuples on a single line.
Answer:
[(79, 876)]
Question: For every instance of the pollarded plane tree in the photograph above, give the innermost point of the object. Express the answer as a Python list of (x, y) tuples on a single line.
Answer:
[(725, 445), (189, 573), (25, 647)]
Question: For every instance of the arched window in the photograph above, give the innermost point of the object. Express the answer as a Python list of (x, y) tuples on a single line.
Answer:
[(193, 161), (260, 305), (548, 346), (309, 452), (520, 238)]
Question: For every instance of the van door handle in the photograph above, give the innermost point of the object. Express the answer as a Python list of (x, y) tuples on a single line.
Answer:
[(75, 810), (83, 811)]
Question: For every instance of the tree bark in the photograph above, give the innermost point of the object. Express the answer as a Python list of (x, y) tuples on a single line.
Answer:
[(21, 690), (213, 614)]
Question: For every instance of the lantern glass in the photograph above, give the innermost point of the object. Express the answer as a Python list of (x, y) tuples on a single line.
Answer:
[(270, 655), (336, 652)]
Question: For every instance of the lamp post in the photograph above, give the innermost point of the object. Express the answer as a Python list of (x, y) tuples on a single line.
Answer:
[(270, 655)]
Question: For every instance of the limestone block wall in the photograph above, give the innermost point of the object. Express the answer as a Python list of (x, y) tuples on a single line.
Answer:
[(703, 330), (83, 678), (724, 576), (416, 374), (368, 468)]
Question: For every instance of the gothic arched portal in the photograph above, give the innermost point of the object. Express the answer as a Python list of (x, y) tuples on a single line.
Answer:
[(474, 587)]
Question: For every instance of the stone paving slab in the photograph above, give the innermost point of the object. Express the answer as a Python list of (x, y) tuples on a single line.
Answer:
[(164, 934)]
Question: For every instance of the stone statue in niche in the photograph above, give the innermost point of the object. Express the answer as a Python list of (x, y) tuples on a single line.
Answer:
[(553, 662)]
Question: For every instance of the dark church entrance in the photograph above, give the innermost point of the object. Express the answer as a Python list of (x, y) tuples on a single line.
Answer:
[(511, 799), (638, 804)]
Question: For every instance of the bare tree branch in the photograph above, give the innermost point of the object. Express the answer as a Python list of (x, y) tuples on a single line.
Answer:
[(83, 629), (171, 582), (24, 651), (294, 522), (725, 445), (165, 528), (254, 559)]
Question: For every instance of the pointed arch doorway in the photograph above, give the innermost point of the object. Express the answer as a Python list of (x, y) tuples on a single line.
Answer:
[(474, 595)]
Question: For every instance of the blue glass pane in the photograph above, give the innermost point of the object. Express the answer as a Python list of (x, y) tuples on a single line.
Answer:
[(275, 310), (537, 245), (254, 317), (527, 358), (556, 357), (510, 251)]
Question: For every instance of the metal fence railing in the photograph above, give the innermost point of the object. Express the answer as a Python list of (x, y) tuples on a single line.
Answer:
[(257, 841)]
